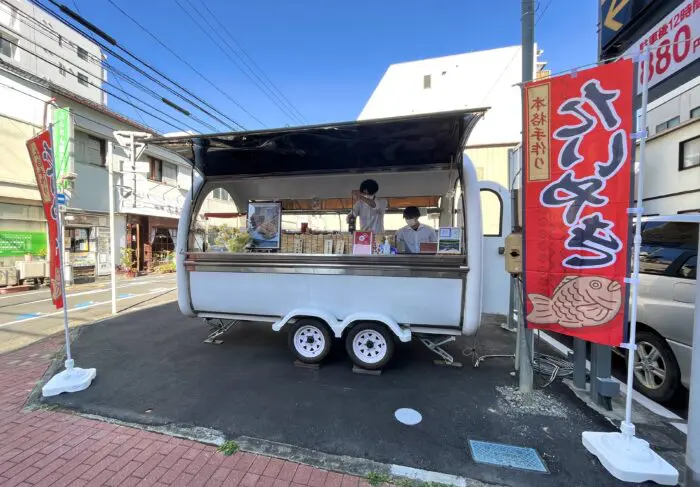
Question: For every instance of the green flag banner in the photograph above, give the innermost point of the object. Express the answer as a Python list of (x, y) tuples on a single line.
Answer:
[(17, 244), (61, 144)]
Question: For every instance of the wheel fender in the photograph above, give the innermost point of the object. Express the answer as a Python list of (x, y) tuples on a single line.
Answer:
[(321, 314), (403, 334)]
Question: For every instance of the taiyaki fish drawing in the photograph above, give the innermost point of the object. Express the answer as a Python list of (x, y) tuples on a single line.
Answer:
[(578, 302)]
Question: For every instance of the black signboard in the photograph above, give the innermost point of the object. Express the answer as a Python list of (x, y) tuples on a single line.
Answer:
[(617, 15)]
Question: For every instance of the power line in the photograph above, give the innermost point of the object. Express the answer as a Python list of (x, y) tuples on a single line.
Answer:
[(107, 91), (138, 114), (154, 37), (50, 34), (141, 71), (164, 100), (243, 51)]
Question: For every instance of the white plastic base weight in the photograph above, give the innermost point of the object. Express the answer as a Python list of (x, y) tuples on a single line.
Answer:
[(72, 379), (629, 458)]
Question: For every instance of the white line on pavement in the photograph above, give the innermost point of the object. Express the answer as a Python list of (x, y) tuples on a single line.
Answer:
[(82, 293), (99, 303), (652, 406)]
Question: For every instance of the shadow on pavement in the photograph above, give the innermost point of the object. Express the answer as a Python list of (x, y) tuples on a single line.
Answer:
[(154, 360)]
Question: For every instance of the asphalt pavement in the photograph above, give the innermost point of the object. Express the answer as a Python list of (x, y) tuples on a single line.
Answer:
[(248, 387), (30, 316)]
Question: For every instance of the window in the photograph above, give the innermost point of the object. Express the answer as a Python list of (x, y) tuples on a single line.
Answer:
[(695, 112), (689, 154), (83, 79), (90, 149), (77, 239), (8, 46), (169, 173), (61, 69), (668, 124), (665, 245), (82, 54), (491, 213), (689, 269), (221, 194), (155, 169), (427, 82)]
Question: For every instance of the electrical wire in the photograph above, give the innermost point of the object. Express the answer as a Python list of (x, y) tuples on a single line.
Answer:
[(121, 58), (138, 110), (51, 35), (124, 100), (249, 73), (171, 51), (255, 65)]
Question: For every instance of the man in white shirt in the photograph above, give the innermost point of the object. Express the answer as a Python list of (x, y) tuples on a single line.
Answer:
[(414, 233), (368, 207)]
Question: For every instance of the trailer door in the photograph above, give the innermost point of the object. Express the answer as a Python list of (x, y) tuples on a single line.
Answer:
[(496, 221)]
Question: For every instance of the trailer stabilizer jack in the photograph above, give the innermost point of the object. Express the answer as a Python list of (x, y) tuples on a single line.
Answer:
[(218, 327)]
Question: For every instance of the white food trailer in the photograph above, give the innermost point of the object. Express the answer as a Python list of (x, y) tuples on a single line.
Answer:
[(369, 301)]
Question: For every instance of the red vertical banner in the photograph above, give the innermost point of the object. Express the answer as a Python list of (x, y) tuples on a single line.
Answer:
[(41, 155), (577, 189)]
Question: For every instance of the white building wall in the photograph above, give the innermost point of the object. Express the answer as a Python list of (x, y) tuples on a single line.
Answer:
[(472, 80), (40, 35), (669, 189)]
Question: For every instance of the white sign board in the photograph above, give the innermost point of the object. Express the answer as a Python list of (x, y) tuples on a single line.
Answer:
[(674, 43)]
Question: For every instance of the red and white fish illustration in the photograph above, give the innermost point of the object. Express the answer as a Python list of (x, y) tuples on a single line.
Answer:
[(578, 302)]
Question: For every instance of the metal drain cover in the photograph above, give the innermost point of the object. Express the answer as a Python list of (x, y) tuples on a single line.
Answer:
[(507, 456)]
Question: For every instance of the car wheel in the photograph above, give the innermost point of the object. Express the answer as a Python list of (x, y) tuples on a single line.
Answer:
[(310, 340), (370, 345), (656, 372)]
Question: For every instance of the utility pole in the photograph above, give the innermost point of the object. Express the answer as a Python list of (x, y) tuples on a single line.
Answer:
[(525, 340), (112, 234)]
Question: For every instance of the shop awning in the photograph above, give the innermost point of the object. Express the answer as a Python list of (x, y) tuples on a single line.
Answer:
[(411, 142)]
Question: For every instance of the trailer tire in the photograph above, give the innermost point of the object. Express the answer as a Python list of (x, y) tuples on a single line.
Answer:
[(370, 345), (309, 340)]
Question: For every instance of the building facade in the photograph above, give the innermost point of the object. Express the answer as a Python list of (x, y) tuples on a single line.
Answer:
[(672, 159), (148, 194)]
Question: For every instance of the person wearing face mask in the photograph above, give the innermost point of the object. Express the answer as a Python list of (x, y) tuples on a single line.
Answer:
[(368, 207), (414, 233)]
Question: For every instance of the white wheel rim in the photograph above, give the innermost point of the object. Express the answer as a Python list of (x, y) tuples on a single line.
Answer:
[(309, 341), (369, 346)]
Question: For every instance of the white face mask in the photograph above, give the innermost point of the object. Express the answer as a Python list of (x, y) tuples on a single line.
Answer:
[(411, 221)]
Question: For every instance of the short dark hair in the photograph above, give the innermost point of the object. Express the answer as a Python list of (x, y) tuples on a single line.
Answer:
[(370, 186), (411, 212)]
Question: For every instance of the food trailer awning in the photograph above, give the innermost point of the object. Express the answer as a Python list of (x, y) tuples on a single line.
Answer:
[(410, 142)]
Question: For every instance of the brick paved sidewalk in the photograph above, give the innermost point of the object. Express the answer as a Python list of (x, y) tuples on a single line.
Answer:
[(53, 449)]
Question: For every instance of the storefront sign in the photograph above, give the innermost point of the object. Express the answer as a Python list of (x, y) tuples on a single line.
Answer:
[(18, 244), (673, 43), (577, 191), (61, 143), (41, 155)]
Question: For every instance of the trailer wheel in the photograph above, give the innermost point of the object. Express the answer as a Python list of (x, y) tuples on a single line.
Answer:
[(310, 340), (370, 345)]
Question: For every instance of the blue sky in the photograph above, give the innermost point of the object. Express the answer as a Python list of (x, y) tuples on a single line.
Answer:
[(327, 56)]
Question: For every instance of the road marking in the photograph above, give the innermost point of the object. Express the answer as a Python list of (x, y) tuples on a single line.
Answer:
[(83, 305), (27, 316), (94, 304), (682, 427), (652, 406), (82, 293)]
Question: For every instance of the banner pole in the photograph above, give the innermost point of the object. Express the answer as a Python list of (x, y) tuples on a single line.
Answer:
[(627, 427), (61, 231), (625, 456)]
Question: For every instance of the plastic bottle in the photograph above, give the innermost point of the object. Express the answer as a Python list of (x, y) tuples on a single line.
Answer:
[(386, 247)]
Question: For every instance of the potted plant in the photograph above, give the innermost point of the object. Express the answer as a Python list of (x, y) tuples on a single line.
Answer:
[(127, 262)]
